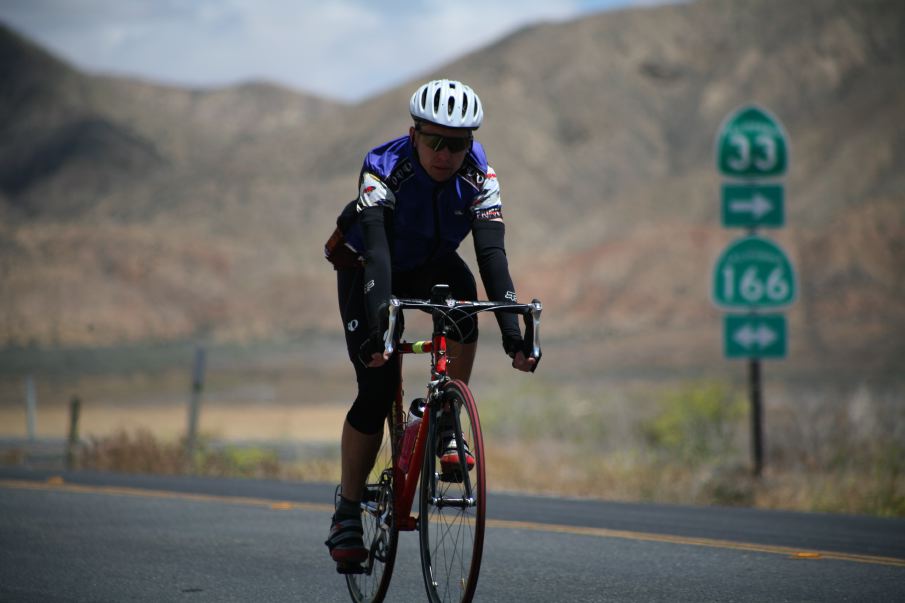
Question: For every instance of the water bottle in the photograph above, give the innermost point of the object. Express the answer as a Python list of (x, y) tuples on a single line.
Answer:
[(416, 411)]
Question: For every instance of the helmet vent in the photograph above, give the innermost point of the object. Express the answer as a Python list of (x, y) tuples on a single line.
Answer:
[(437, 100)]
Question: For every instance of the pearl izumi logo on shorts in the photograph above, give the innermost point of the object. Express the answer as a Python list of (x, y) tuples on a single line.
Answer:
[(353, 324), (369, 285)]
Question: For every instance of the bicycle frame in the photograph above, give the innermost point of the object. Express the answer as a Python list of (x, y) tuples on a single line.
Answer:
[(406, 482)]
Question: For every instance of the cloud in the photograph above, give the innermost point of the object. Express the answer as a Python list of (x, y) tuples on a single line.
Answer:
[(343, 49)]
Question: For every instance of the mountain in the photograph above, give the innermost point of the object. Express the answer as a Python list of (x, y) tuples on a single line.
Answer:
[(132, 211)]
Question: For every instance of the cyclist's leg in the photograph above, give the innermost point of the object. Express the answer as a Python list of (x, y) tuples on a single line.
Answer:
[(358, 452), (363, 427)]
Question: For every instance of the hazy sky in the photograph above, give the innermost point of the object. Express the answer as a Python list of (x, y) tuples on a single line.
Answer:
[(341, 49)]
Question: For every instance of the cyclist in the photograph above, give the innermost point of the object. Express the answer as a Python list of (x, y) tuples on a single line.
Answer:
[(419, 196)]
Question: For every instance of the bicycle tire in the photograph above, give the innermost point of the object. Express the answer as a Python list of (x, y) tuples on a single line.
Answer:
[(452, 537), (381, 535)]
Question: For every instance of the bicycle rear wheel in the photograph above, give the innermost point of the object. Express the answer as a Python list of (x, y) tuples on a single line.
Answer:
[(380, 532), (451, 518)]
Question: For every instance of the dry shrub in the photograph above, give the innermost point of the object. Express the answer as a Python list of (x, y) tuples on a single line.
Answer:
[(837, 452), (238, 462), (316, 470), (695, 424), (140, 452), (830, 452), (13, 456)]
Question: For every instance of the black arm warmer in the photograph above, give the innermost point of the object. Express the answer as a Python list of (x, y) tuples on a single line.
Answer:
[(378, 268), (488, 238)]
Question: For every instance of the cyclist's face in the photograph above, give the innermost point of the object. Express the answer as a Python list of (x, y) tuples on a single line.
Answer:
[(442, 164)]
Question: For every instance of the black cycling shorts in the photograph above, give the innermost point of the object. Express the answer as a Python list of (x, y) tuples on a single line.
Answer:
[(377, 387)]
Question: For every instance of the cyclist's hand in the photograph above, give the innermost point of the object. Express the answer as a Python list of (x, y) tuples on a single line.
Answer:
[(523, 363), (378, 359), (521, 356), (371, 353)]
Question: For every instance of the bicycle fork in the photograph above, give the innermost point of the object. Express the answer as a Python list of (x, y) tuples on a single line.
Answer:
[(467, 499)]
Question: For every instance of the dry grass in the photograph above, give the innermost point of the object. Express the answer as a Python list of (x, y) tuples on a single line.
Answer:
[(639, 440), (636, 477), (564, 471), (142, 452)]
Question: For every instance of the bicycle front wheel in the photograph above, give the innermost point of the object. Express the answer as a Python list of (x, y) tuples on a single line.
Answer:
[(381, 534), (452, 499)]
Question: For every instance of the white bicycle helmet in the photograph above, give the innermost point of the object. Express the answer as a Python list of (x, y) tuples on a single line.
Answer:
[(447, 103)]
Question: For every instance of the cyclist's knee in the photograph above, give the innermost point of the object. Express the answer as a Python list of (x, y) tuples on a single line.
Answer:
[(367, 416), (364, 421), (372, 405)]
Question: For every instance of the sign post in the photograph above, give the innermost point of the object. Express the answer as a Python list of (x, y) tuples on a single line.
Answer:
[(753, 273)]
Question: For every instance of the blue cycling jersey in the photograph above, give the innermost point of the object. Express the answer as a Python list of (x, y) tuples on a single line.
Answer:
[(429, 218)]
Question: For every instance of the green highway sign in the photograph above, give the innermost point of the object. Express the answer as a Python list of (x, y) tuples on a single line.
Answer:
[(753, 205), (753, 272), (754, 336), (751, 144)]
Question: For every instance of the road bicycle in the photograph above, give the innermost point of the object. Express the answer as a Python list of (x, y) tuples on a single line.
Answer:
[(451, 497)]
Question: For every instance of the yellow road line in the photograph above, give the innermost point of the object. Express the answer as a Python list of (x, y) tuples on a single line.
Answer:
[(57, 484), (694, 541), (796, 553)]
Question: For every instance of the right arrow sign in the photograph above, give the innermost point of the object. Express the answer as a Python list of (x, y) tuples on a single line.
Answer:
[(753, 205), (754, 336)]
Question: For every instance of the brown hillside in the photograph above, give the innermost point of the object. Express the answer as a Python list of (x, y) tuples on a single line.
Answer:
[(132, 211)]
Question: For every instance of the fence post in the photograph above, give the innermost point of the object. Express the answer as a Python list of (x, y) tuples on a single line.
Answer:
[(74, 410), (31, 408), (194, 406)]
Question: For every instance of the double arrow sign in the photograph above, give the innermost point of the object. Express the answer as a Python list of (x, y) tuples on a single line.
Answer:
[(761, 335)]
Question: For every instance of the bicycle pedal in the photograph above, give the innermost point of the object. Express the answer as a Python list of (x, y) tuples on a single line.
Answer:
[(349, 567)]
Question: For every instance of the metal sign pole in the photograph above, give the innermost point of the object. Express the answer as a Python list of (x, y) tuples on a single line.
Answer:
[(753, 273), (757, 422)]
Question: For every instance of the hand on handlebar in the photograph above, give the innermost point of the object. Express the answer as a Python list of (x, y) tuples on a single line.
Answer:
[(378, 359), (372, 353), (521, 357), (523, 363)]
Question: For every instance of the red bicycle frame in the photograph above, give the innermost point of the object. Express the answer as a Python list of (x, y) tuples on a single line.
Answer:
[(407, 481)]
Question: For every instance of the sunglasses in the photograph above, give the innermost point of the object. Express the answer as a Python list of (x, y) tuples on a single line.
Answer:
[(455, 144)]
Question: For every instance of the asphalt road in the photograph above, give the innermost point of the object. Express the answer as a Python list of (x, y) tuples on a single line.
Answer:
[(107, 537)]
